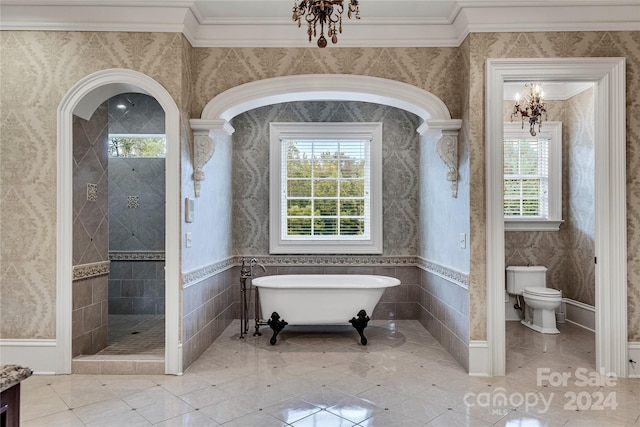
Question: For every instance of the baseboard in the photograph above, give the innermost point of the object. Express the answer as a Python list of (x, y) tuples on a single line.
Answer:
[(479, 359), (579, 313), (633, 352), (39, 355)]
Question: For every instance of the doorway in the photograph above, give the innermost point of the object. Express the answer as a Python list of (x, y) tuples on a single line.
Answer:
[(82, 100), (549, 220), (608, 77)]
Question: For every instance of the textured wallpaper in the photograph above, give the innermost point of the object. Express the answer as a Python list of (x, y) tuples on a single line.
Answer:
[(541, 45), (568, 253), (38, 68), (399, 167)]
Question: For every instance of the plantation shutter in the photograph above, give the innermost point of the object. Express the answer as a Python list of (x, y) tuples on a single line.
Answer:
[(526, 178), (326, 189)]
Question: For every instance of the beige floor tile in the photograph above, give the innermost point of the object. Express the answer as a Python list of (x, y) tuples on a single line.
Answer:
[(102, 411), (225, 411), (65, 418), (204, 397), (127, 419), (404, 377), (323, 418), (355, 409), (190, 419), (292, 410), (40, 402)]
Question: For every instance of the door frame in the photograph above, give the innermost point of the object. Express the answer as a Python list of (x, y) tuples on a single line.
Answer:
[(608, 75), (82, 100)]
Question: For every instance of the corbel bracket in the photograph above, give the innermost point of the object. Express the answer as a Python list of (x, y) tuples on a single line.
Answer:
[(447, 146), (204, 132)]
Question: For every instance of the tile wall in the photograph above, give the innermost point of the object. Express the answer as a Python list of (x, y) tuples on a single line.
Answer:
[(208, 308), (443, 309), (136, 287), (89, 316)]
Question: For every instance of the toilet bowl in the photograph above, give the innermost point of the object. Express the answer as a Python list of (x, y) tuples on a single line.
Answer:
[(540, 302), (540, 310)]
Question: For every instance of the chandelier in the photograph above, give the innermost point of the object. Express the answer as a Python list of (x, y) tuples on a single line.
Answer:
[(323, 12), (533, 108)]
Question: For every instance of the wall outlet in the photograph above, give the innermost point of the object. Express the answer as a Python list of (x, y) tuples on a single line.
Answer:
[(188, 240), (462, 239)]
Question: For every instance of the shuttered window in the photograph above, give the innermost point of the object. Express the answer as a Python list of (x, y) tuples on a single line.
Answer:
[(526, 177), (325, 188), (533, 177)]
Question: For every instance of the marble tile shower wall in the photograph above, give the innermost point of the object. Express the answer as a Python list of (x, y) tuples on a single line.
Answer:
[(208, 308), (142, 115), (443, 309), (90, 231), (136, 287), (137, 197)]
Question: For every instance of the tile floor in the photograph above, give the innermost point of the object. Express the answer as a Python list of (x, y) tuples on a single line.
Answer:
[(322, 377), (135, 334)]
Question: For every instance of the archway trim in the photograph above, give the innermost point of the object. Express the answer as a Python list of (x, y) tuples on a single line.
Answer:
[(82, 99)]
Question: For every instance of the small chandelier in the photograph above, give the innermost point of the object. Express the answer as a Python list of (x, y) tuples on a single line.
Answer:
[(325, 12), (534, 107)]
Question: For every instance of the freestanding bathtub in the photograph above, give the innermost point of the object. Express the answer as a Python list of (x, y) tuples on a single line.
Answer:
[(320, 299)]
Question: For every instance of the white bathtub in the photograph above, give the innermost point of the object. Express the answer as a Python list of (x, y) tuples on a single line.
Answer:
[(320, 299)]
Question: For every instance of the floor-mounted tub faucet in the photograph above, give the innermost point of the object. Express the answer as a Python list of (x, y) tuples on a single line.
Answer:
[(246, 272)]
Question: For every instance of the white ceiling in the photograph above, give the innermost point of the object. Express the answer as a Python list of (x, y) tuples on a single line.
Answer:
[(267, 23)]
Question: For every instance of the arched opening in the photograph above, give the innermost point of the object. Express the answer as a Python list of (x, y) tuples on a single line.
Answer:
[(82, 100)]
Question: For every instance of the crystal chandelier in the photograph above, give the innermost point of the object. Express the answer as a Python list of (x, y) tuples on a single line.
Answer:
[(534, 107), (323, 12)]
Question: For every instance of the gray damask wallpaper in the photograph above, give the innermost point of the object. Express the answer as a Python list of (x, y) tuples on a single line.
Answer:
[(38, 68), (399, 165), (547, 45), (568, 253)]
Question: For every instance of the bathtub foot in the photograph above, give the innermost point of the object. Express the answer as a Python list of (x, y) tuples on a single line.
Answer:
[(360, 323), (277, 325)]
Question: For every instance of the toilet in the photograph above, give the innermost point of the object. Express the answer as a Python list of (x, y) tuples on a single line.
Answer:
[(541, 302)]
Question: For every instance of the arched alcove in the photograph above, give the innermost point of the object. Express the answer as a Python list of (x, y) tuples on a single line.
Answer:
[(326, 87), (82, 100)]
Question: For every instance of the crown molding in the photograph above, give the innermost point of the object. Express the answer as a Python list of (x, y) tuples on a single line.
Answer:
[(185, 16)]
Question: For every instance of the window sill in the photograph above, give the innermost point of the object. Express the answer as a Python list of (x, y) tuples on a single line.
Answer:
[(532, 225)]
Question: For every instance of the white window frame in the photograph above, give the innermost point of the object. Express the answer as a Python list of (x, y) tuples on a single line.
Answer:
[(553, 132), (280, 245)]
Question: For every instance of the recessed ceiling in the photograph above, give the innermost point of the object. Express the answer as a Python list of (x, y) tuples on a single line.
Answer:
[(267, 23)]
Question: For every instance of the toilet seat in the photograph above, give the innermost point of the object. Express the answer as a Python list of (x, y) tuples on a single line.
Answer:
[(543, 292)]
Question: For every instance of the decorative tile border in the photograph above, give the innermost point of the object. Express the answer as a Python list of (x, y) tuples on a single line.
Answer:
[(136, 255), (460, 279), (84, 271), (200, 274), (335, 260), (454, 276)]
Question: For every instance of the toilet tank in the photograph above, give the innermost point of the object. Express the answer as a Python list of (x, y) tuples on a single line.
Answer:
[(521, 277)]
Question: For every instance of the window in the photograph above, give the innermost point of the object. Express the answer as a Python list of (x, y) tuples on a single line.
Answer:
[(137, 145), (533, 177), (326, 188)]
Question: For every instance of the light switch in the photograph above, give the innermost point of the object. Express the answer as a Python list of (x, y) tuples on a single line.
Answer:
[(188, 240), (463, 240)]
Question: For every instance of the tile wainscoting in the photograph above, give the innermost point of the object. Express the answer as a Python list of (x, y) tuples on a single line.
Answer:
[(433, 294)]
